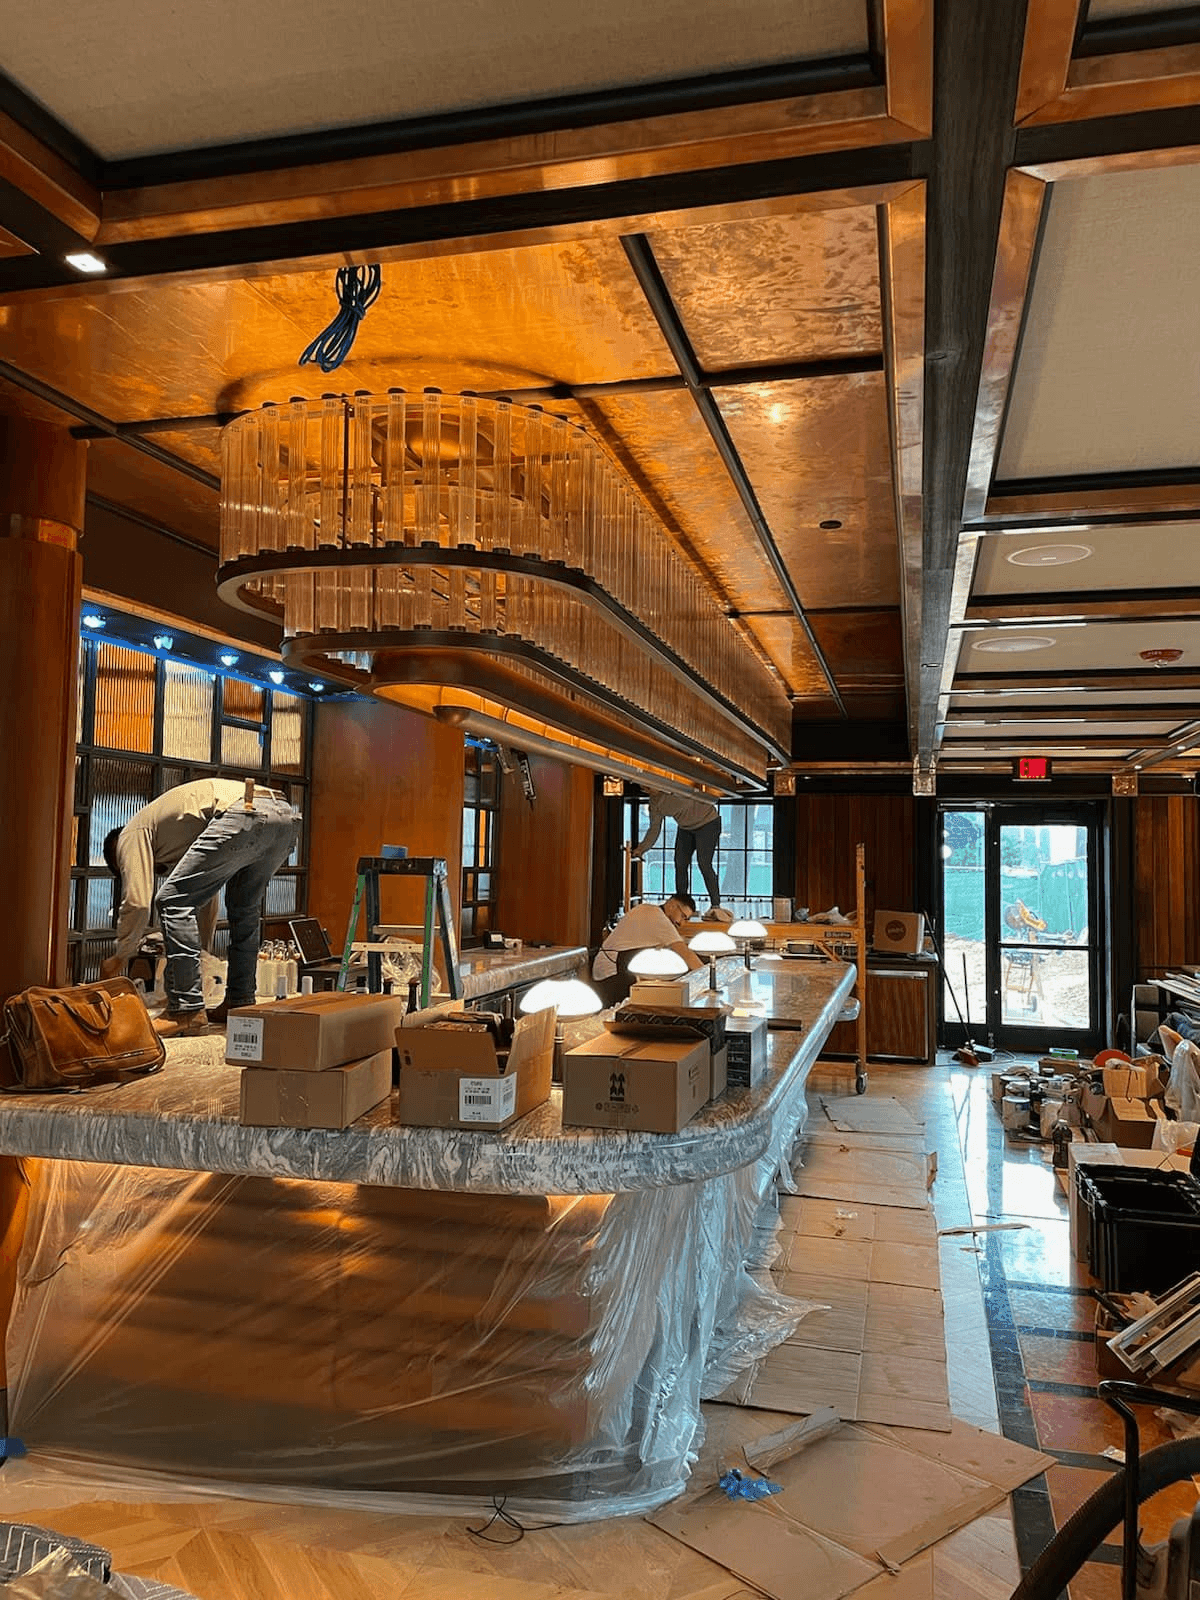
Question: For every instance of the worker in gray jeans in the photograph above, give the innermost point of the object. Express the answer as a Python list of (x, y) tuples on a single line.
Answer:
[(697, 832), (203, 836)]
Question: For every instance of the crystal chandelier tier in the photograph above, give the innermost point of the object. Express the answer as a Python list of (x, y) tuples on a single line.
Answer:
[(426, 546)]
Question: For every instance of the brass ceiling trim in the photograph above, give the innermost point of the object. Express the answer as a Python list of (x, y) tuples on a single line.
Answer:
[(48, 180), (908, 63), (575, 703), (10, 245), (1082, 681), (1017, 611), (1011, 714), (1152, 159), (233, 574), (1078, 509), (901, 225), (1151, 755), (1050, 31)]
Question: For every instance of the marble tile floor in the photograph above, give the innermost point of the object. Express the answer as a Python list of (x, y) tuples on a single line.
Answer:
[(1018, 1335)]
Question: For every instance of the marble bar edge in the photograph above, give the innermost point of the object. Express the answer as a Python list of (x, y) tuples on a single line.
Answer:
[(185, 1119)]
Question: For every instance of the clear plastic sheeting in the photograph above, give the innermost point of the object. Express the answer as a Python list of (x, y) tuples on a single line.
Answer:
[(390, 1347)]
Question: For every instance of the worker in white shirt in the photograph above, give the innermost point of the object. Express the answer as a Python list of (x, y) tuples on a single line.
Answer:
[(697, 832), (203, 836), (642, 927)]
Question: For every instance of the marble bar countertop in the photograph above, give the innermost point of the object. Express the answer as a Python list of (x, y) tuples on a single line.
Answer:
[(486, 972), (186, 1118)]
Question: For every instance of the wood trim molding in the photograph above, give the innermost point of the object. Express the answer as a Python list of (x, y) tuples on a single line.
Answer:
[(902, 286), (1050, 28), (1016, 611), (1076, 509), (908, 63), (48, 180)]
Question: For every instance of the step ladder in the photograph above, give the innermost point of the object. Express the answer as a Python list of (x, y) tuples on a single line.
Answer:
[(437, 898)]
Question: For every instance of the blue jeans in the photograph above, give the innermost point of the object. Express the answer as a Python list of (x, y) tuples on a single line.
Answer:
[(242, 850), (700, 842)]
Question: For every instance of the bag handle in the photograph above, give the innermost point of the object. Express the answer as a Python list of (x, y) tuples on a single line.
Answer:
[(84, 1015)]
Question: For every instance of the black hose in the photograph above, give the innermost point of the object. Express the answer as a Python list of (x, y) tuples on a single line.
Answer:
[(1096, 1518)]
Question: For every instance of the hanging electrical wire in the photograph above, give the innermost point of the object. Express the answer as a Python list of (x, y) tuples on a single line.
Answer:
[(357, 289)]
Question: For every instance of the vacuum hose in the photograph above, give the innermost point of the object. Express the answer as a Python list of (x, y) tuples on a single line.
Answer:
[(1097, 1517)]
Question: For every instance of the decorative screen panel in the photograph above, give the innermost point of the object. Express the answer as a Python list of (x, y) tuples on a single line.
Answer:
[(287, 732), (120, 786), (241, 747), (245, 700), (187, 712), (124, 698)]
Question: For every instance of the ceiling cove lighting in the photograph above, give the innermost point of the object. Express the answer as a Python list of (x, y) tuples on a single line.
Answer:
[(164, 641), (87, 262), (229, 658), (276, 676), (92, 619), (1049, 555), (412, 542)]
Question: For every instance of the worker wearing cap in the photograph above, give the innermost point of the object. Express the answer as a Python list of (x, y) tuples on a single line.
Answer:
[(213, 834)]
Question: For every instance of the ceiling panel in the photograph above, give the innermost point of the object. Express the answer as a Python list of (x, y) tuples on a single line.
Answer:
[(1068, 728), (1092, 646), (569, 313), (1153, 697), (785, 642), (779, 289), (133, 77), (1108, 377), (865, 649), (818, 451), (165, 497), (1146, 556)]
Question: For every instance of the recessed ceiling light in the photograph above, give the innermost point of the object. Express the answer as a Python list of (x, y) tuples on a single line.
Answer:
[(831, 523), (317, 688), (1049, 555), (163, 641), (1013, 644), (275, 675), (229, 658), (92, 619), (85, 261)]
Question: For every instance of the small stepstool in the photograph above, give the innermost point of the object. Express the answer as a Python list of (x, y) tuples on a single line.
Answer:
[(437, 896)]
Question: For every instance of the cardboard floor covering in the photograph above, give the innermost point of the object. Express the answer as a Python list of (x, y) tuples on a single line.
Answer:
[(862, 1502)]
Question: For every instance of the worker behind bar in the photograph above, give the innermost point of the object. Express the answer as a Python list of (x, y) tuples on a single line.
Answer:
[(203, 836), (697, 831), (641, 927)]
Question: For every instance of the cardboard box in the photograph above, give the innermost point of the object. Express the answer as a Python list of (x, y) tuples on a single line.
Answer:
[(708, 1019), (661, 992), (902, 932), (618, 1080), (451, 1075), (746, 1043), (312, 1032), (273, 1097)]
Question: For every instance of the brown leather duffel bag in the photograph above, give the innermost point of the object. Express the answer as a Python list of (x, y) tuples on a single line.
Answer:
[(74, 1038)]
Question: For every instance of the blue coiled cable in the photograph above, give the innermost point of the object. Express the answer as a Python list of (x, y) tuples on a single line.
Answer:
[(357, 290)]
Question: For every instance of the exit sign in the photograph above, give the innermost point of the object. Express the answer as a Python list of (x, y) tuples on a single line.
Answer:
[(1036, 768)]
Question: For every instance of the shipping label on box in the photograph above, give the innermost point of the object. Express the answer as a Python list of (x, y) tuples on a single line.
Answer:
[(452, 1076), (655, 1085), (311, 1033)]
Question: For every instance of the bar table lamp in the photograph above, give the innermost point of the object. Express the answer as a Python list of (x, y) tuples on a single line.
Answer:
[(571, 998), (658, 962), (712, 945), (745, 932)]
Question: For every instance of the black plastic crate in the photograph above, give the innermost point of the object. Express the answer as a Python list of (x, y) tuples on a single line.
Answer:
[(1143, 1226)]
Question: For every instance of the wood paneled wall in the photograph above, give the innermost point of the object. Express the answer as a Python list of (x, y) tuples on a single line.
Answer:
[(830, 826), (381, 775), (1166, 881), (544, 864)]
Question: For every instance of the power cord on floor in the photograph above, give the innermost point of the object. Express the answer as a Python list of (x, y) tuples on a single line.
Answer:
[(357, 289), (506, 1519)]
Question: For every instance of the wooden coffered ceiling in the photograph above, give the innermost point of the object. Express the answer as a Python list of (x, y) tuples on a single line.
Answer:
[(887, 306)]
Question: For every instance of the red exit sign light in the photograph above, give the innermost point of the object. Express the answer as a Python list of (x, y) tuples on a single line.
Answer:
[(1036, 768)]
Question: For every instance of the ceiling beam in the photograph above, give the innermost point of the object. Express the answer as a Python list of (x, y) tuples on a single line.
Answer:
[(1089, 681), (977, 56), (1069, 713), (1115, 606), (658, 298)]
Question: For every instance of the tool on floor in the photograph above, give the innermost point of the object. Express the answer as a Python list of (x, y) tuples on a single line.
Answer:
[(970, 1054)]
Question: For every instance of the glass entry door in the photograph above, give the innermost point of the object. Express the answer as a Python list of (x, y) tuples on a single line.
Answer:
[(1020, 925)]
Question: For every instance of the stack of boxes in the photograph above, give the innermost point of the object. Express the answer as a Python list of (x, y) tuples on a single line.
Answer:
[(315, 1061)]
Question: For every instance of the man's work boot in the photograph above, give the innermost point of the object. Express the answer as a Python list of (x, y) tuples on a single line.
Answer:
[(178, 1024)]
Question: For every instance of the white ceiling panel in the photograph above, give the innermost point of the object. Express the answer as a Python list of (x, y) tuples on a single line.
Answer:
[(1091, 646), (135, 77), (1148, 556), (1108, 377)]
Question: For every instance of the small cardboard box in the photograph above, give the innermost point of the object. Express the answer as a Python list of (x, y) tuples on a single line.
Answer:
[(708, 1019), (312, 1032), (902, 932), (746, 1043), (655, 1084), (451, 1075), (661, 992), (273, 1097)]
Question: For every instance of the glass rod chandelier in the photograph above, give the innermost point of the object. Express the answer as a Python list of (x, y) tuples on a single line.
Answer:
[(448, 550)]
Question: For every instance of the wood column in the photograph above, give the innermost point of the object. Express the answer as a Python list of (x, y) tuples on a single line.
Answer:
[(41, 519)]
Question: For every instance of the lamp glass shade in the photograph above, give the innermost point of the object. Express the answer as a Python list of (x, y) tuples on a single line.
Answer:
[(747, 928), (543, 995), (657, 962), (578, 999), (711, 944)]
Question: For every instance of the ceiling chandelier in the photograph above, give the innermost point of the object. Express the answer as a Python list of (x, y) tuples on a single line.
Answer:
[(491, 563)]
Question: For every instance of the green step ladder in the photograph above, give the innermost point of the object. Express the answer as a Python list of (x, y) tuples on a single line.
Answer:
[(437, 898)]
